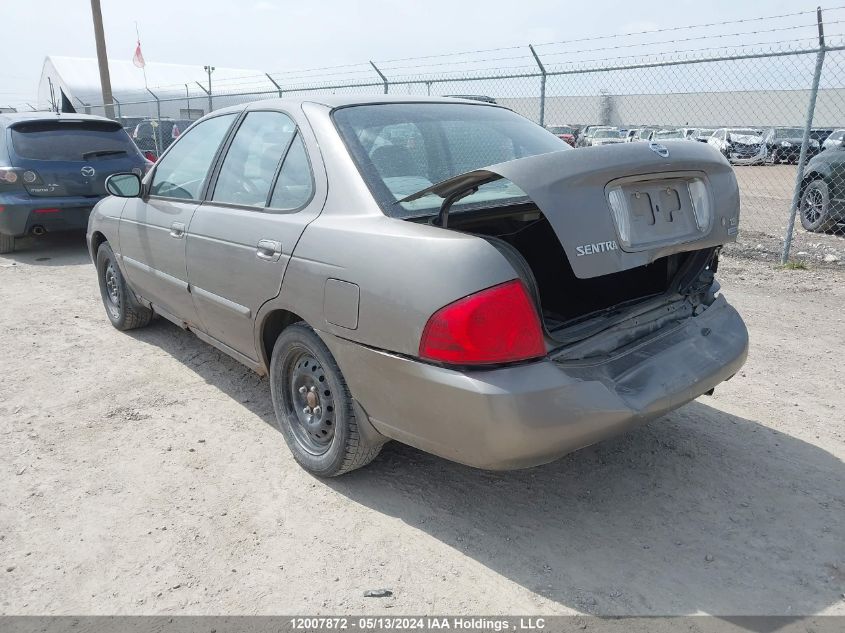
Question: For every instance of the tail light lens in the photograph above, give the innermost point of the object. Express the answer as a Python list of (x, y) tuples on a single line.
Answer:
[(496, 325)]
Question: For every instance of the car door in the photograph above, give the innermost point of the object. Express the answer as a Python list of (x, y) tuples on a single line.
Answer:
[(152, 228), (241, 238)]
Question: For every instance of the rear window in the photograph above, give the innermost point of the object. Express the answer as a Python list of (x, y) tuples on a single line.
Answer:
[(401, 148), (70, 140)]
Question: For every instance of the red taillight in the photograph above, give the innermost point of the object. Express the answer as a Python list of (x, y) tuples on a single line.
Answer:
[(50, 210), (150, 156), (496, 325)]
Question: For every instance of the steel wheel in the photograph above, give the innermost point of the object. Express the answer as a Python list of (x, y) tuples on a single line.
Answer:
[(112, 282), (309, 402)]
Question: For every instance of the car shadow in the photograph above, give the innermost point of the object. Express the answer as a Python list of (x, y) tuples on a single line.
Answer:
[(65, 248), (700, 511)]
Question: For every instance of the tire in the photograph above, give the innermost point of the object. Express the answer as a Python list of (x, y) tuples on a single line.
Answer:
[(122, 308), (326, 442), (7, 243), (814, 207)]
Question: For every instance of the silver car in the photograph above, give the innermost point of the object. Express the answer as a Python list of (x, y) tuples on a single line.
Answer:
[(439, 272)]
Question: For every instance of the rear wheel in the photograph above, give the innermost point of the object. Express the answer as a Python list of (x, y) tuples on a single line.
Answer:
[(7, 243), (122, 308), (314, 407), (815, 207)]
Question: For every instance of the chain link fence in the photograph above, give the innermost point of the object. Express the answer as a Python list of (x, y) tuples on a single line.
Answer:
[(776, 112)]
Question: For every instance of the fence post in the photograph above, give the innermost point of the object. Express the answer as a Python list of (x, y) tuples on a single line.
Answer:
[(157, 135), (542, 85), (117, 103), (805, 141), (380, 74), (273, 81)]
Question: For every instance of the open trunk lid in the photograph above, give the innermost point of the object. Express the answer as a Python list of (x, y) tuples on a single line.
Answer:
[(617, 207)]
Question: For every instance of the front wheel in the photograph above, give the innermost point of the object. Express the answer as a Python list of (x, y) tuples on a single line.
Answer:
[(815, 207), (122, 308), (7, 243), (314, 407)]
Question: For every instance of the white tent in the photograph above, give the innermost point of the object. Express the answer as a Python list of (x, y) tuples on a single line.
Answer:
[(73, 84)]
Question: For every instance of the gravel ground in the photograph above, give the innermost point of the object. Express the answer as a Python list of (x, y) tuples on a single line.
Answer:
[(142, 474)]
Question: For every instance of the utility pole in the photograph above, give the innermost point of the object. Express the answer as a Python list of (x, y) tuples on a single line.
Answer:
[(102, 59), (209, 70)]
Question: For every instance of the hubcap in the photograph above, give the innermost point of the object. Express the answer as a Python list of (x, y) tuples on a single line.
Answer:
[(112, 290), (813, 205), (311, 404)]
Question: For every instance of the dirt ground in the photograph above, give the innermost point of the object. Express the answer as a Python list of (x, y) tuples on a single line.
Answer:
[(142, 474)]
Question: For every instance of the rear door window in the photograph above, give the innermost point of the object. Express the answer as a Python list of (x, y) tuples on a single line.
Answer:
[(252, 159), (70, 140), (295, 185), (182, 172)]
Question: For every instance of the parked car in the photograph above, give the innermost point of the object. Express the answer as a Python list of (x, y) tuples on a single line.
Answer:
[(641, 134), (563, 132), (741, 146), (668, 135), (701, 134), (784, 144), (820, 134), (477, 289), (834, 140), (586, 134), (604, 136), (822, 202), (153, 136), (53, 169)]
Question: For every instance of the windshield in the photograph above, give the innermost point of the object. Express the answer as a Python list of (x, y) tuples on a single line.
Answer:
[(70, 140), (606, 134), (669, 134), (560, 129), (739, 132), (789, 132), (401, 148), (703, 132)]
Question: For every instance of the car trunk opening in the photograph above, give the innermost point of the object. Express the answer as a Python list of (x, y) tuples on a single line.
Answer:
[(641, 299)]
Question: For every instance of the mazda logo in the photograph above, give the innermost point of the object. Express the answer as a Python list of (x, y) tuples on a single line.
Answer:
[(657, 148), (88, 171)]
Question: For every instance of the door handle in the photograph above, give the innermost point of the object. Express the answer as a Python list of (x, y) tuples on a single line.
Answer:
[(177, 230), (269, 250)]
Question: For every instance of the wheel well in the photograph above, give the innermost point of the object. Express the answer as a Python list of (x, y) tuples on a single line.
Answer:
[(808, 178), (97, 238), (274, 324)]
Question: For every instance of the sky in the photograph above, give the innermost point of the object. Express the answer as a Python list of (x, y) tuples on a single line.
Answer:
[(283, 35)]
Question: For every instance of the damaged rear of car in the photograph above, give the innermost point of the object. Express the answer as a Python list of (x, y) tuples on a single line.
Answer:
[(613, 316)]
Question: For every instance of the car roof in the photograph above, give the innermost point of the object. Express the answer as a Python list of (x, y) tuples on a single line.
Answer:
[(339, 101), (9, 118)]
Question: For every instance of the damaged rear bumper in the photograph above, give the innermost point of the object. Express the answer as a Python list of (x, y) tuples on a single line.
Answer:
[(531, 414)]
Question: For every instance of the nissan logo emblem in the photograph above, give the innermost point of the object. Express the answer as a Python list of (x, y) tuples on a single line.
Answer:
[(657, 148), (88, 171)]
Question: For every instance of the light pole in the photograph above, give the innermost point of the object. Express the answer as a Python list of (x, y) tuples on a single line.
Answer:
[(209, 70)]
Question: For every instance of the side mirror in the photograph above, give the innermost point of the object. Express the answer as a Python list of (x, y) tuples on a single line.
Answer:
[(124, 185)]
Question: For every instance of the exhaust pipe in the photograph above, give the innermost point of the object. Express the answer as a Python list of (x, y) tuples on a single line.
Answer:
[(38, 230)]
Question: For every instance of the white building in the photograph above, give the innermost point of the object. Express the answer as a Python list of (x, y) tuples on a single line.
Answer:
[(72, 84)]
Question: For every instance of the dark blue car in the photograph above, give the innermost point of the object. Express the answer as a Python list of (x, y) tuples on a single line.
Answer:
[(53, 169)]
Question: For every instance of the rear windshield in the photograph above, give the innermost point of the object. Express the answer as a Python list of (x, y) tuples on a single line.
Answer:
[(70, 140), (607, 134), (560, 129), (401, 148)]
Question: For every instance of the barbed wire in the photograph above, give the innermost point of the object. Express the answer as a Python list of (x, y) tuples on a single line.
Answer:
[(365, 68)]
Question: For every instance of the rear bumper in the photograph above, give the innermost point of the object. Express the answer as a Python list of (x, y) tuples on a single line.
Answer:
[(20, 213), (527, 415)]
